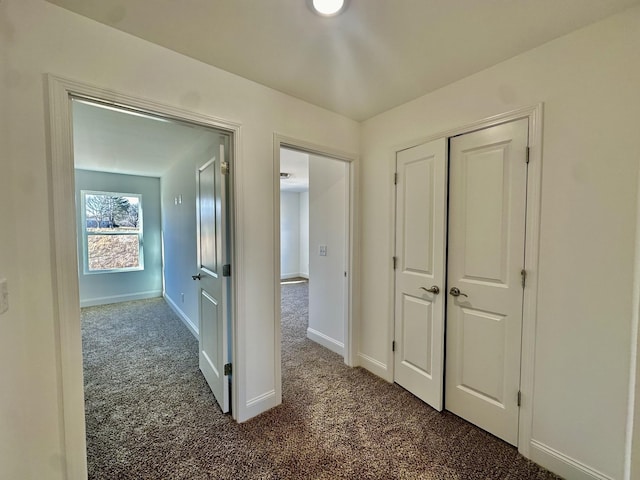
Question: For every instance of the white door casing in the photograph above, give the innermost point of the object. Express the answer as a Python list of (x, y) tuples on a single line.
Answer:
[(421, 176), (486, 239), (67, 311), (212, 284)]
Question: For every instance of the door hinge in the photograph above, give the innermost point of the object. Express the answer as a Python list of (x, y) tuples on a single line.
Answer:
[(395, 178), (226, 270), (523, 275), (395, 262), (227, 369), (519, 398), (393, 346), (527, 157), (224, 168)]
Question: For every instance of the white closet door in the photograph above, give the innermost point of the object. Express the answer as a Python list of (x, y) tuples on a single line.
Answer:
[(487, 207), (420, 263)]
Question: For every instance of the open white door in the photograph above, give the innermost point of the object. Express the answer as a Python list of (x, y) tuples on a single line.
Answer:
[(487, 206), (213, 285), (420, 266)]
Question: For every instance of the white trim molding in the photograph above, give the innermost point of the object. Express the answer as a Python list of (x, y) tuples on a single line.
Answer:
[(632, 434), (92, 302), (326, 341), (68, 346), (562, 464), (257, 405), (193, 328), (374, 366)]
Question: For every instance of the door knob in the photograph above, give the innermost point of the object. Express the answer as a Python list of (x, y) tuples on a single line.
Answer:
[(196, 277), (455, 291), (434, 289)]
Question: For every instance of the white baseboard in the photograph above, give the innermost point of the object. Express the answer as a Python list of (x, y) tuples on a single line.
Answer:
[(182, 316), (92, 302), (325, 341), (374, 366), (258, 405), (286, 276), (563, 465)]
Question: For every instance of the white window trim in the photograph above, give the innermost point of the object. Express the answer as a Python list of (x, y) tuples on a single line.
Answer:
[(85, 233)]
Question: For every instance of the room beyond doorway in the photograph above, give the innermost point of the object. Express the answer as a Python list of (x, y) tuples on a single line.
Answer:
[(61, 92), (347, 277), (314, 199)]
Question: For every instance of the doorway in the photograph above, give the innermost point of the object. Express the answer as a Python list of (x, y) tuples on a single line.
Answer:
[(61, 93), (120, 150), (330, 247), (460, 267), (314, 215)]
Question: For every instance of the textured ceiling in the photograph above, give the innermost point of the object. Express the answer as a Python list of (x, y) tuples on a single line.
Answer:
[(375, 56)]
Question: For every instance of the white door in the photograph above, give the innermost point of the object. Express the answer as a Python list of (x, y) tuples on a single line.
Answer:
[(420, 265), (213, 285), (487, 206)]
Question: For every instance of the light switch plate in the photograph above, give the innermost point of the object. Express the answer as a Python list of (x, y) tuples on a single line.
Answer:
[(4, 296)]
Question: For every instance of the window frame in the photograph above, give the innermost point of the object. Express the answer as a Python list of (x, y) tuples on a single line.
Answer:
[(86, 233)]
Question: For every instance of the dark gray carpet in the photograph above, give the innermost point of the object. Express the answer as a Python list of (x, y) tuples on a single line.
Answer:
[(150, 414)]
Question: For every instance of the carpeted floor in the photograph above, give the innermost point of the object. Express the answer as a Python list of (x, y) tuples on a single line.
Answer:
[(150, 414)]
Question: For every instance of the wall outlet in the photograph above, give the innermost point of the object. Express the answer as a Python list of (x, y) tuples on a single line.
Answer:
[(4, 296), (323, 250)]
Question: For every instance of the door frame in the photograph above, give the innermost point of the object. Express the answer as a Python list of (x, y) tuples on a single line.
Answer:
[(68, 340), (352, 291), (534, 114)]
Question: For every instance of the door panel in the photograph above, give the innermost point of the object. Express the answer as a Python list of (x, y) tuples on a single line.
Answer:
[(209, 308), (207, 217), (485, 226), (482, 339), (418, 326), (487, 206), (417, 188), (212, 248), (420, 247)]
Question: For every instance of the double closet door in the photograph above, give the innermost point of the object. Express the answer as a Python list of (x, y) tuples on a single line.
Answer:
[(460, 236)]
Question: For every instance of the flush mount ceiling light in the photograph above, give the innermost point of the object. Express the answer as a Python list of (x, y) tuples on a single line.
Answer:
[(328, 8)]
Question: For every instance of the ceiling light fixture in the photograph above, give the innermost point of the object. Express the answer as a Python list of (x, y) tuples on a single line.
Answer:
[(328, 8)]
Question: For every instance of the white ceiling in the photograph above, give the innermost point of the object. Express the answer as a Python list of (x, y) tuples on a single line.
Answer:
[(376, 55), (114, 141), (107, 139)]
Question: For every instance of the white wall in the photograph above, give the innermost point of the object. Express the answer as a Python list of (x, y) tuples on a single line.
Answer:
[(289, 234), (294, 234), (304, 234), (588, 81), (37, 37), (328, 207), (99, 289), (179, 230)]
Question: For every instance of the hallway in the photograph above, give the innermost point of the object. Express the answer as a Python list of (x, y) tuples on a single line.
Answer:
[(150, 414)]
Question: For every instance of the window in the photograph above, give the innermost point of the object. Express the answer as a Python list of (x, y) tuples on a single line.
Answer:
[(112, 231)]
